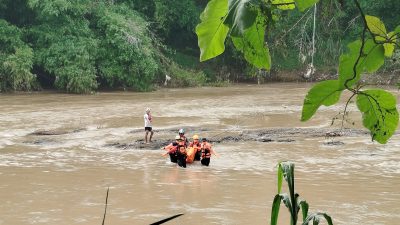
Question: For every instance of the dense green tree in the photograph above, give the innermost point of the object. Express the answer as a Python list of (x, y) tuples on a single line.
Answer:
[(80, 45), (16, 59), (64, 45), (126, 55), (176, 20)]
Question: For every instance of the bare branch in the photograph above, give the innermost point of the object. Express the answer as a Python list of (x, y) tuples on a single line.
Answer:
[(105, 209), (345, 110)]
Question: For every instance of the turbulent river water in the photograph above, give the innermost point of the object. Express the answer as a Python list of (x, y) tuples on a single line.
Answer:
[(59, 153)]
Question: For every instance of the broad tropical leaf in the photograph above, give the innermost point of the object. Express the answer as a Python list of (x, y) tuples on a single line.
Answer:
[(389, 47), (305, 4), (324, 93), (253, 46), (346, 64), (380, 115), (240, 16), (371, 60), (389, 43), (375, 25), (397, 30), (212, 31), (374, 56)]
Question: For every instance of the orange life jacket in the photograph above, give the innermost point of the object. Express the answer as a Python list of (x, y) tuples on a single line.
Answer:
[(196, 146), (205, 150)]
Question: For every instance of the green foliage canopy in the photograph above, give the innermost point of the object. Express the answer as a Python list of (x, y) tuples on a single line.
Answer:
[(246, 24), (16, 59), (80, 44), (125, 40)]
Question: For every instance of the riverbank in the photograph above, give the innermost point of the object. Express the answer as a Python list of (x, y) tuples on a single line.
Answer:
[(296, 76)]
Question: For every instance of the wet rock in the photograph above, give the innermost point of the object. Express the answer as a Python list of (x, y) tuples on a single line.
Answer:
[(140, 144), (78, 130), (48, 132), (264, 140), (332, 134), (286, 140), (334, 143), (173, 130), (44, 142), (282, 135), (229, 138), (56, 132)]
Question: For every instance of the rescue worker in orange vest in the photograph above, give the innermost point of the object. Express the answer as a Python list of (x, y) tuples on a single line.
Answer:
[(197, 147), (181, 156), (182, 135), (172, 149), (206, 151)]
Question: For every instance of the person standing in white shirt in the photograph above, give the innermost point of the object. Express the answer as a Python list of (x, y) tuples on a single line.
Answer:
[(147, 125)]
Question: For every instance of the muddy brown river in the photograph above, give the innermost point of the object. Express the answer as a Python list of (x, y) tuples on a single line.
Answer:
[(59, 153)]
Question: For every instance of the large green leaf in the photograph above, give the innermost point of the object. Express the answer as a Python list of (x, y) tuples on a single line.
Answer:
[(304, 4), (280, 177), (253, 46), (372, 58), (389, 47), (288, 173), (346, 64), (212, 31), (240, 16), (287, 170), (324, 93), (304, 209), (389, 43), (276, 204), (286, 201), (397, 30), (375, 25), (380, 115)]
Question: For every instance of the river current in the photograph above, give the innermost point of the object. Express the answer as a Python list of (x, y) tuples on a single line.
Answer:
[(59, 153)]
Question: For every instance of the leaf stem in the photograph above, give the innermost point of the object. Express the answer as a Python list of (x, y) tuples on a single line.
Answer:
[(361, 50), (345, 110)]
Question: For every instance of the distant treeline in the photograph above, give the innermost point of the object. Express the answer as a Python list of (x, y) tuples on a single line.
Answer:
[(79, 46)]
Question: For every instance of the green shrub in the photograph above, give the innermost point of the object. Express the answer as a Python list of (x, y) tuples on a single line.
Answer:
[(16, 60), (185, 78)]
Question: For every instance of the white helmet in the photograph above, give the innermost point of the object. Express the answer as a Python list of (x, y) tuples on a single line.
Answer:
[(181, 131)]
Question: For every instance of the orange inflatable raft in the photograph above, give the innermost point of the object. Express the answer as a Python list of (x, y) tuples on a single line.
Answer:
[(191, 152)]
